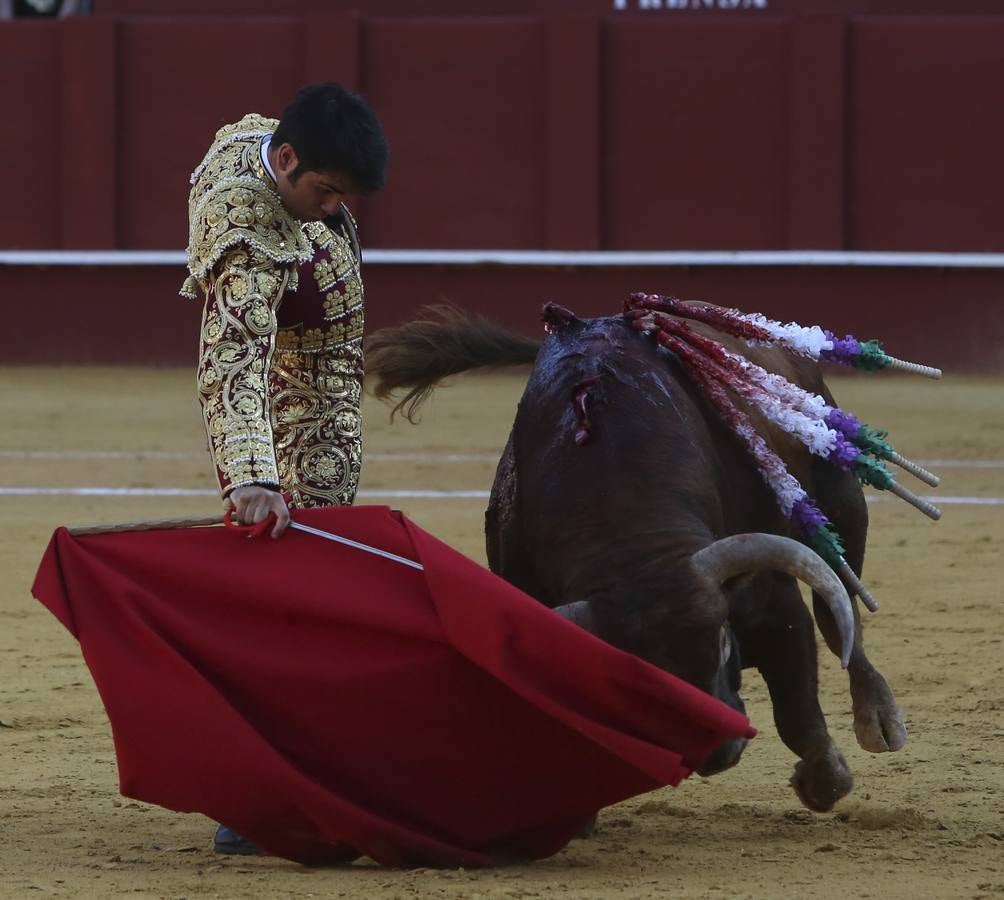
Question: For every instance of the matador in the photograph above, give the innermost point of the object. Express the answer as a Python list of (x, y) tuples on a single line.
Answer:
[(275, 255)]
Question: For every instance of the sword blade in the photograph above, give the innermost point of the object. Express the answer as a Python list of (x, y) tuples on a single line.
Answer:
[(376, 551)]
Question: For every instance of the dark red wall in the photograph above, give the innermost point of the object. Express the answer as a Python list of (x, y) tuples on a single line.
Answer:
[(32, 152), (540, 131), (650, 8), (924, 148), (465, 107), (696, 134)]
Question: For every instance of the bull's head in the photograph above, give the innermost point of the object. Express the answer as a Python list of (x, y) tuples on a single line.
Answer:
[(716, 667)]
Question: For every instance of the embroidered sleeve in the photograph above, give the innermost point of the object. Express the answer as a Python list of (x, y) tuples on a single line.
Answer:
[(238, 337)]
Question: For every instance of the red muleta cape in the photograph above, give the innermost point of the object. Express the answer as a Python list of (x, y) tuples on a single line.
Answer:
[(312, 696)]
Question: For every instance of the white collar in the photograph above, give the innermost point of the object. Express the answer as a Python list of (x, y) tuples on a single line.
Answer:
[(265, 141)]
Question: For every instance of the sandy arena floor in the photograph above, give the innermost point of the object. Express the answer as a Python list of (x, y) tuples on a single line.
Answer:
[(927, 822)]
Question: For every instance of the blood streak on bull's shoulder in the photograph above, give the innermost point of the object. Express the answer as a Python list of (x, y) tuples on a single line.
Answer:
[(580, 403), (556, 316)]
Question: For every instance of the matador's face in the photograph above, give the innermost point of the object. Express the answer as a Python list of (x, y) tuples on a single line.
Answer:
[(313, 195)]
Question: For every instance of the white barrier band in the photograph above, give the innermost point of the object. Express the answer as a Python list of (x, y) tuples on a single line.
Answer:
[(550, 258)]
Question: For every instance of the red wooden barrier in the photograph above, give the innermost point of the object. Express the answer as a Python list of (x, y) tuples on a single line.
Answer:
[(132, 315), (30, 153), (696, 134), (547, 131), (926, 154), (817, 186), (662, 129), (464, 106)]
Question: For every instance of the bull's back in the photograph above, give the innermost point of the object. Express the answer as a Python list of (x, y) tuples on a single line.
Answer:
[(645, 474), (654, 446)]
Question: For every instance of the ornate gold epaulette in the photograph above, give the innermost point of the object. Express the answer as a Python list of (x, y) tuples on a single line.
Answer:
[(252, 127), (230, 205)]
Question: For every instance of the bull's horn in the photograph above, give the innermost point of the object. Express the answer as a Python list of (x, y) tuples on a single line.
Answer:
[(746, 553), (578, 612)]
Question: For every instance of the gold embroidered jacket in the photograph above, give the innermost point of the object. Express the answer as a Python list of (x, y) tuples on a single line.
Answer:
[(280, 362)]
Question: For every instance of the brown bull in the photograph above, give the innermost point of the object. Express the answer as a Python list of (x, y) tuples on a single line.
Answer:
[(611, 501)]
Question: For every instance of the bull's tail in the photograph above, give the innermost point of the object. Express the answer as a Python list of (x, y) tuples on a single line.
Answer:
[(443, 341)]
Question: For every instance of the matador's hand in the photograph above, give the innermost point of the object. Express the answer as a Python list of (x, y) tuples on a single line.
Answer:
[(254, 504)]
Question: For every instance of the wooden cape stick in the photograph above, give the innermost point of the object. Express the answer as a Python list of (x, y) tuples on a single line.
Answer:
[(149, 525), (155, 524)]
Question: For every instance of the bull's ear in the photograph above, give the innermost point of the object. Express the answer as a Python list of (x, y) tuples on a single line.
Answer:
[(579, 612)]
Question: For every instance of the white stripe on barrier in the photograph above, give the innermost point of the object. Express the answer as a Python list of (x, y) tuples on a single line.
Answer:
[(610, 258)]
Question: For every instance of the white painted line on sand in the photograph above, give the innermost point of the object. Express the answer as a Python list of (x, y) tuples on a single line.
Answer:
[(208, 492), (423, 494), (943, 501), (379, 493), (961, 463), (431, 457), (402, 456), (106, 492), (99, 454), (390, 456)]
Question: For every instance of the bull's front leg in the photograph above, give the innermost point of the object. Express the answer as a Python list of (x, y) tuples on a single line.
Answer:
[(775, 634), (878, 721)]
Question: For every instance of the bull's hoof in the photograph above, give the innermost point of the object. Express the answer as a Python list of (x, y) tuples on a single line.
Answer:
[(880, 729), (822, 782), (878, 722)]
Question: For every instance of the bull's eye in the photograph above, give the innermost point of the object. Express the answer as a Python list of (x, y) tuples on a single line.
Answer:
[(724, 646)]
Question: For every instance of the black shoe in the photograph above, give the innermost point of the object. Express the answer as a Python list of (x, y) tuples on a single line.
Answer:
[(229, 841)]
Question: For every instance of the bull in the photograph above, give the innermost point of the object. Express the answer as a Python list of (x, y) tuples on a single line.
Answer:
[(623, 502)]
